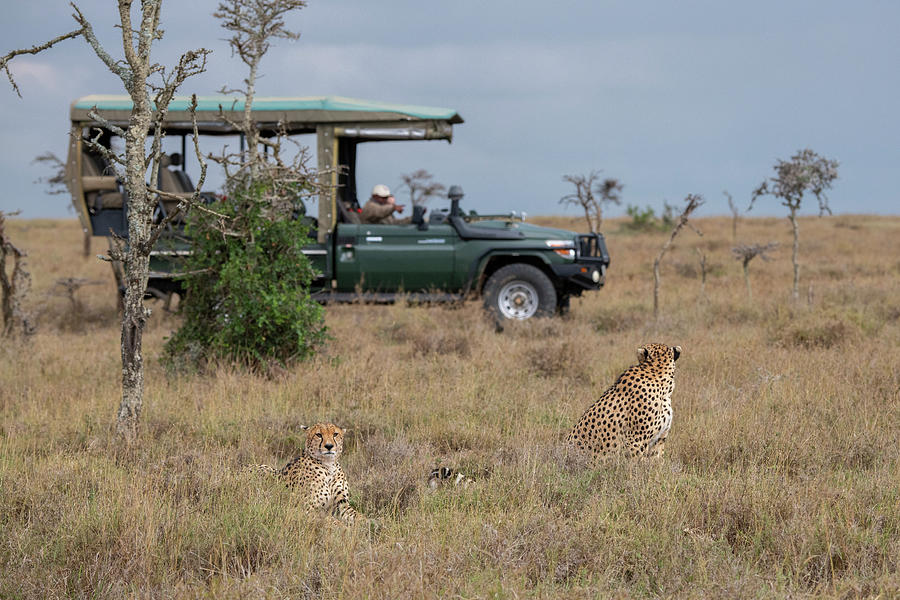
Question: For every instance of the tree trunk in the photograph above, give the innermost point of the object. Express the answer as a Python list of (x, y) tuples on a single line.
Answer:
[(13, 288), (137, 265), (249, 125), (795, 253)]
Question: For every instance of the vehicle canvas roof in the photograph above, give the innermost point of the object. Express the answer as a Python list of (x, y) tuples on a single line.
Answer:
[(296, 114)]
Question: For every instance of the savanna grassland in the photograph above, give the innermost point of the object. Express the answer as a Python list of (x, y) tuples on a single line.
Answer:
[(781, 476)]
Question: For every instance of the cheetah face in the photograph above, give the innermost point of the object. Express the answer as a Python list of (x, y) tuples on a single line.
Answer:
[(658, 353), (324, 442)]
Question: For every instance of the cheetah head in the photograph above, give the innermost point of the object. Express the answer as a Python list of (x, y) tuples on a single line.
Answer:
[(324, 442), (658, 353)]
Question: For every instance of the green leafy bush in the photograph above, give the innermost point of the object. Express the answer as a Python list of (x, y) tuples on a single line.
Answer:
[(641, 219), (645, 219), (247, 287)]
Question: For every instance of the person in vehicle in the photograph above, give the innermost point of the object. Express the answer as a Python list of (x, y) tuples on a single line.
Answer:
[(380, 208)]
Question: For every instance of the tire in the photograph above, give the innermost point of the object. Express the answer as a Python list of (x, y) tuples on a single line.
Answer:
[(519, 291)]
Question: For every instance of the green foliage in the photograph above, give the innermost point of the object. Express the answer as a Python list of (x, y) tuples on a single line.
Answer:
[(248, 288), (643, 219)]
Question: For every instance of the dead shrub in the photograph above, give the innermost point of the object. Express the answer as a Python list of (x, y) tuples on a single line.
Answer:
[(734, 314), (426, 338), (558, 359), (687, 270), (816, 335), (620, 320), (441, 342)]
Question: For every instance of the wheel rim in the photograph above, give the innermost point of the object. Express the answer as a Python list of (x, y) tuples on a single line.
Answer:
[(518, 300)]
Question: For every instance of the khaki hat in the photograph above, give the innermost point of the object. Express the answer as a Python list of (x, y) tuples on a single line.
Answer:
[(382, 191)]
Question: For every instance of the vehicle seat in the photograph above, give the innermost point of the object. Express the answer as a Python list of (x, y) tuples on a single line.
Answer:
[(100, 189), (169, 182), (187, 186)]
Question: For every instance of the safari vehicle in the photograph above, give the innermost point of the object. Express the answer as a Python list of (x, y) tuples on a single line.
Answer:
[(520, 270)]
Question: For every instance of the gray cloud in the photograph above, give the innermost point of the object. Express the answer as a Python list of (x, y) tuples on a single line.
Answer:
[(671, 98)]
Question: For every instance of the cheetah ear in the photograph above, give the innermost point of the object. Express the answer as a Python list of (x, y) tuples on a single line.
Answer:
[(304, 427), (642, 355), (676, 350)]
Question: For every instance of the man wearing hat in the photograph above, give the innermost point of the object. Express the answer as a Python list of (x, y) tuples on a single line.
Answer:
[(380, 208)]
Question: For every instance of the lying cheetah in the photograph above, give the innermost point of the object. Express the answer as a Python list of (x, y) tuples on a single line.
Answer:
[(317, 475), (635, 414)]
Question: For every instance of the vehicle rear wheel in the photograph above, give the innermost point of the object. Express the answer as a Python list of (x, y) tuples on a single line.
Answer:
[(518, 292)]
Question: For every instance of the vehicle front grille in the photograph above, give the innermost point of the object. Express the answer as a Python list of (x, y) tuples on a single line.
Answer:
[(592, 245), (588, 246)]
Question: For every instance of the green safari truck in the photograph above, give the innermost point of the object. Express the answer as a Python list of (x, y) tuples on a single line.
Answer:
[(519, 270)]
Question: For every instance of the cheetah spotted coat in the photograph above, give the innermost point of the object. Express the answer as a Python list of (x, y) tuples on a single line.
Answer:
[(316, 475), (635, 414)]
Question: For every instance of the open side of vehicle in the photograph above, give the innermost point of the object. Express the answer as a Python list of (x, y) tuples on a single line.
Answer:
[(519, 269)]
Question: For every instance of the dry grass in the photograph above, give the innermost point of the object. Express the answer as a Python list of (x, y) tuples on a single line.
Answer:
[(781, 474)]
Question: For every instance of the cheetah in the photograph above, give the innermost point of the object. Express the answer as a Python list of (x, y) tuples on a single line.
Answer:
[(317, 475), (635, 414)]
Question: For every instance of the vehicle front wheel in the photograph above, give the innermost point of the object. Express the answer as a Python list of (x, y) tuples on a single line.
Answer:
[(518, 292)]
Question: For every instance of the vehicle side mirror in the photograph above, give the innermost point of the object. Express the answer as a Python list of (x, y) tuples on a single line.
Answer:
[(418, 217)]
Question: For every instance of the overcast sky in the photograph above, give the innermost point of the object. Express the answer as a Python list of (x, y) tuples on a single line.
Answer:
[(669, 97)]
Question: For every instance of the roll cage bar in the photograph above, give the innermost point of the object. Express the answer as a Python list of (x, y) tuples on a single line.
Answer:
[(339, 123)]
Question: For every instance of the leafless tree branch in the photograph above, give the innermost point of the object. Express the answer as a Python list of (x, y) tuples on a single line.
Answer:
[(421, 187), (590, 194), (4, 60), (746, 253), (692, 202)]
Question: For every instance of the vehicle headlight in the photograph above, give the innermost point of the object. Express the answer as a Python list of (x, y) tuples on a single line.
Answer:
[(565, 248)]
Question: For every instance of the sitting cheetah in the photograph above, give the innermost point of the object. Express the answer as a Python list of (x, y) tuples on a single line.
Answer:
[(317, 474), (635, 414), (445, 475)]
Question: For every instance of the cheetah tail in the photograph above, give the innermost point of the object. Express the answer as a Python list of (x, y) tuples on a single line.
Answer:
[(264, 469), (445, 475)]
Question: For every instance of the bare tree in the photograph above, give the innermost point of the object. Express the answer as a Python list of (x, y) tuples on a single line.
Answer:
[(590, 194), (692, 202), (265, 189), (745, 253), (135, 71), (735, 213), (56, 179), (421, 187), (14, 287), (281, 173), (254, 24), (806, 172)]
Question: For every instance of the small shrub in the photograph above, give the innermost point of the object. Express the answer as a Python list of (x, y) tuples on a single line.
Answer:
[(641, 220), (248, 290), (559, 359), (822, 334), (427, 338), (618, 321)]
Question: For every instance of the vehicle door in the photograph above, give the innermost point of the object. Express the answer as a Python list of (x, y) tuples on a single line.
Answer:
[(404, 258)]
